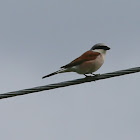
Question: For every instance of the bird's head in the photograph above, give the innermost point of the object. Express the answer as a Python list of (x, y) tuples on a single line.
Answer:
[(100, 47)]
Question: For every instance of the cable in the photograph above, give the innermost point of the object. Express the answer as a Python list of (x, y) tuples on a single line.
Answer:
[(68, 83)]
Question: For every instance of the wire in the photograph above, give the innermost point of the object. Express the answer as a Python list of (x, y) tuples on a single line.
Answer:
[(69, 83)]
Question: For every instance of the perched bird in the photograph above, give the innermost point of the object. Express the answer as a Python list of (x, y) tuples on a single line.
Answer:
[(87, 63)]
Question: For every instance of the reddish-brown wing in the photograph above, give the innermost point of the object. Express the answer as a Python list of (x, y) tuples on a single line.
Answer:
[(87, 56)]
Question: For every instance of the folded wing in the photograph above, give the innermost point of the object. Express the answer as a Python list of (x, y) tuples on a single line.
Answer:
[(87, 56)]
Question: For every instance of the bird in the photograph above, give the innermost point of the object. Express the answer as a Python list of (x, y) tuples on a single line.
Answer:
[(88, 63)]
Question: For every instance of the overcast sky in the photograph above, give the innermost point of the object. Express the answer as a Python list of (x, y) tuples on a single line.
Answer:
[(37, 37)]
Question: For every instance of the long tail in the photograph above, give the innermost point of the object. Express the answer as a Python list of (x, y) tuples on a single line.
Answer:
[(54, 73)]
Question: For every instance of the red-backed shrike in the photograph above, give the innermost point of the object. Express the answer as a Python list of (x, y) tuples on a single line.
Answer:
[(87, 63)]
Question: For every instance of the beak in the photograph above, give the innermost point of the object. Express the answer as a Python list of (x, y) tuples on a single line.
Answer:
[(107, 48)]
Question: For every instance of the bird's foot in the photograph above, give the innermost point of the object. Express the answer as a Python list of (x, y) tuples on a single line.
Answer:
[(95, 74), (87, 76)]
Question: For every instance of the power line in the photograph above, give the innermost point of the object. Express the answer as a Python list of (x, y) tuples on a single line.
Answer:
[(68, 83)]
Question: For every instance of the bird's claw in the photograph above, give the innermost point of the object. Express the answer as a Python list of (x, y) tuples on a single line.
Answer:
[(96, 74), (88, 76)]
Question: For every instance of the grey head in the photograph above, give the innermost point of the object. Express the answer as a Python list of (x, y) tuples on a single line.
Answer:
[(100, 46)]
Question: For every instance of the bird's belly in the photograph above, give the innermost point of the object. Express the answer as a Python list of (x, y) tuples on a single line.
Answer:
[(89, 66)]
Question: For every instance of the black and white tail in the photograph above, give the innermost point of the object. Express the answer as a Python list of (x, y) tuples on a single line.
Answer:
[(54, 73)]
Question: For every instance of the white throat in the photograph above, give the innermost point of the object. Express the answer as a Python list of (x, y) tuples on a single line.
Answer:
[(101, 51)]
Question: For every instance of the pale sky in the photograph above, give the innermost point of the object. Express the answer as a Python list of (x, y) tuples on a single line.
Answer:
[(37, 37)]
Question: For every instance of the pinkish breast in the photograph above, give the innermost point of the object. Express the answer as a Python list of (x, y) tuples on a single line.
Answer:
[(90, 66)]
